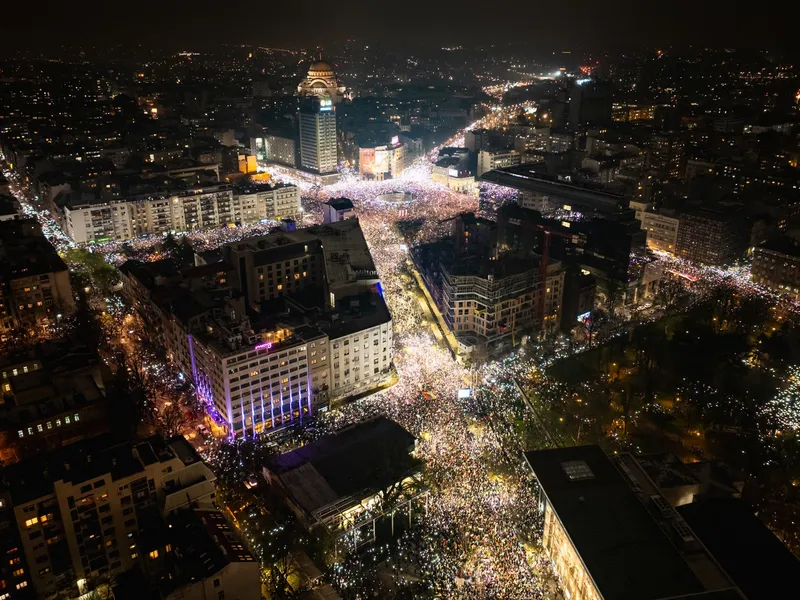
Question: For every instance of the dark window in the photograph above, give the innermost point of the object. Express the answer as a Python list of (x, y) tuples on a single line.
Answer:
[(86, 488), (35, 535), (130, 522), (99, 483), (216, 583)]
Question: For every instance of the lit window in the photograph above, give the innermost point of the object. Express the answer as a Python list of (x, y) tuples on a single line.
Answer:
[(21, 433), (58, 422), (18, 572), (66, 421), (22, 584), (168, 548), (76, 417), (154, 554), (49, 424), (39, 428)]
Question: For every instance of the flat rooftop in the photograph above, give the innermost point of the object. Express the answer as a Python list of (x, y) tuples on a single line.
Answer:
[(750, 553), (625, 551), (82, 461)]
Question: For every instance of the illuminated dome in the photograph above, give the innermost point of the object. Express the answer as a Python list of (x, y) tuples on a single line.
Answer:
[(320, 69), (321, 82)]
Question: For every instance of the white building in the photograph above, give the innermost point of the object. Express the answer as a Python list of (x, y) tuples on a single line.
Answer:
[(264, 381), (360, 360), (494, 159), (661, 228), (88, 219)]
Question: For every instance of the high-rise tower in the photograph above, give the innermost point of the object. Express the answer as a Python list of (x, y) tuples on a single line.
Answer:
[(318, 152)]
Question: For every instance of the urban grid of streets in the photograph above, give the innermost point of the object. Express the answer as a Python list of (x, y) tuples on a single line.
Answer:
[(479, 537)]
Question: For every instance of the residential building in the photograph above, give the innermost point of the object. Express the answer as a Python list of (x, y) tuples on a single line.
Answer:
[(626, 113), (776, 265), (257, 328), (35, 288), (488, 297), (193, 554), (667, 155), (81, 509), (258, 201), (318, 144), (88, 218), (54, 394), (477, 139), (662, 230), (488, 160), (280, 149), (710, 236)]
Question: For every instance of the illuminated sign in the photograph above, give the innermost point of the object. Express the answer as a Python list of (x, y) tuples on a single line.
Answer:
[(263, 346), (395, 140), (452, 172), (464, 393), (585, 316), (325, 105)]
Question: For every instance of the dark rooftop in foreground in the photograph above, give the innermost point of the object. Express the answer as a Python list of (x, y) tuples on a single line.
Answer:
[(82, 461), (753, 557), (340, 203), (782, 245), (354, 461), (624, 549)]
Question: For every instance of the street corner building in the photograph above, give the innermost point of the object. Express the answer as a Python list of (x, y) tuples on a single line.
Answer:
[(643, 528)]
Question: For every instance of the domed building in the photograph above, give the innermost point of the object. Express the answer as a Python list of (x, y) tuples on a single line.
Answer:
[(321, 83)]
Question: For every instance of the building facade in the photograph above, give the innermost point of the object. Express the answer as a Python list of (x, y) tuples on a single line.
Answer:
[(489, 160), (776, 265), (80, 509), (35, 288), (662, 231), (711, 237), (318, 143), (201, 208)]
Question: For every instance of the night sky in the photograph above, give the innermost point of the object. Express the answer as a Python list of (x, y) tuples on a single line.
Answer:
[(555, 24)]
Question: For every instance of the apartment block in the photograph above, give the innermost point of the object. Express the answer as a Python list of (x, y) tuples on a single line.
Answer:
[(88, 218), (81, 510), (35, 289)]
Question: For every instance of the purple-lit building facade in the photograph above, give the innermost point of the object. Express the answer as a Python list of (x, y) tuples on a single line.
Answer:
[(251, 387)]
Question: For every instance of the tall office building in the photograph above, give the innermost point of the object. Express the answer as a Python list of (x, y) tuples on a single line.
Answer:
[(318, 136)]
